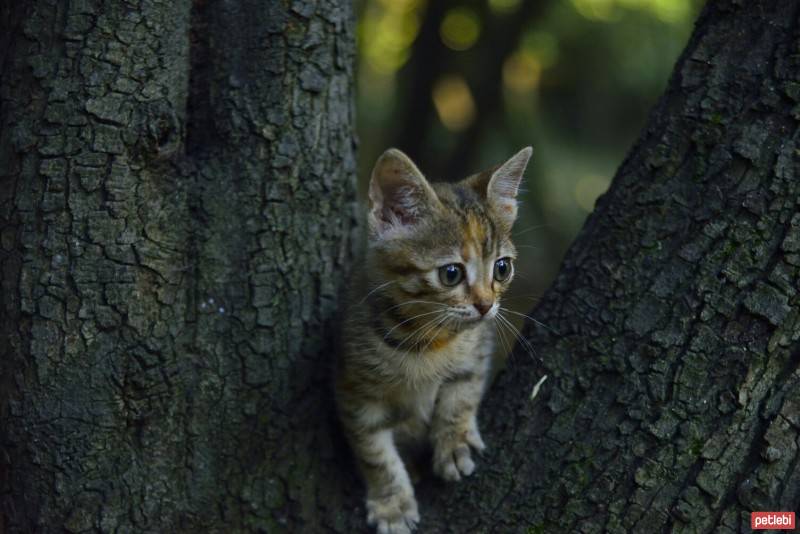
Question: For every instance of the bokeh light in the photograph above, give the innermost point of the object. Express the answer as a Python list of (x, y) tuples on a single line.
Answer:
[(386, 31), (670, 11), (521, 71), (543, 45), (461, 28), (454, 103), (503, 7)]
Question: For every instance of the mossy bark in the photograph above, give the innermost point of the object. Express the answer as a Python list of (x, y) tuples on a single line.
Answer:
[(176, 210)]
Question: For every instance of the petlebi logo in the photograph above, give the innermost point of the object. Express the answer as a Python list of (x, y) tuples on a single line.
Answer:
[(772, 520)]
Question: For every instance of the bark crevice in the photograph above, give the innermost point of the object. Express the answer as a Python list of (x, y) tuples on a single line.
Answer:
[(200, 131)]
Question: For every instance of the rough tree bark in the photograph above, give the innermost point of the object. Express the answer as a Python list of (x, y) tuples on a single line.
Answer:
[(176, 209), (130, 401)]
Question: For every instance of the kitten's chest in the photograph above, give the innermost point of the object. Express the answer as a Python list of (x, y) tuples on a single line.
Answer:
[(433, 366), (425, 374), (420, 401)]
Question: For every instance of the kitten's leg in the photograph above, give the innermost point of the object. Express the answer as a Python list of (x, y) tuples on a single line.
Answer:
[(454, 427), (391, 506), (411, 439)]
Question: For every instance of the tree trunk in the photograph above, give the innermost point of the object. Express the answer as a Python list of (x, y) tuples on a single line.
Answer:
[(176, 211), (166, 317)]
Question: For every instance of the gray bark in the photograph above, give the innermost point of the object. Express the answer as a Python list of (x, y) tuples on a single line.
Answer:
[(176, 209)]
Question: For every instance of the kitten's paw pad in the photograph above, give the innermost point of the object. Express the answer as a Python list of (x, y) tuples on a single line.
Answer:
[(450, 463), (394, 514)]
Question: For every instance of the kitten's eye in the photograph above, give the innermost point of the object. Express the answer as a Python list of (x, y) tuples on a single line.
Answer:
[(451, 275), (502, 269)]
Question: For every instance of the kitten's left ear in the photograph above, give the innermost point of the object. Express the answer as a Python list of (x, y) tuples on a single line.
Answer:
[(501, 192)]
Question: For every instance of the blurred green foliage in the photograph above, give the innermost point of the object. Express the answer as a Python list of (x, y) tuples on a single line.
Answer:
[(462, 85)]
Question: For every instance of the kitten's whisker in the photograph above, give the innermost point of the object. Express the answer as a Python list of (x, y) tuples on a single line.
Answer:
[(530, 229), (419, 330), (513, 328), (530, 297), (517, 273), (390, 282), (501, 337), (433, 323), (440, 325), (527, 317), (407, 320), (502, 327), (524, 342), (414, 302), (531, 354)]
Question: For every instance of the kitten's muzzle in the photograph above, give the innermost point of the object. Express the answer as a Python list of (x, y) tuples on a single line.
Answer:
[(483, 307)]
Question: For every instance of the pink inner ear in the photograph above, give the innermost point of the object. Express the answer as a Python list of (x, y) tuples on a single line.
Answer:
[(402, 203), (505, 181), (506, 186), (392, 215)]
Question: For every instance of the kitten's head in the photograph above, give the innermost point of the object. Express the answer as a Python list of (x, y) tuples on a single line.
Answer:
[(443, 247)]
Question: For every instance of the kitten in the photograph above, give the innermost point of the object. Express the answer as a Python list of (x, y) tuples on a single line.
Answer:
[(420, 328)]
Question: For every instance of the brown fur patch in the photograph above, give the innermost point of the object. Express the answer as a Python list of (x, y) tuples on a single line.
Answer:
[(480, 295), (440, 342), (474, 235)]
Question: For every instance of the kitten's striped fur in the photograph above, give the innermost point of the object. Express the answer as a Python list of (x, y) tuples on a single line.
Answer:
[(416, 351)]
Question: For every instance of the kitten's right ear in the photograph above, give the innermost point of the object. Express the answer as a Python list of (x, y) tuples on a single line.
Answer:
[(399, 195)]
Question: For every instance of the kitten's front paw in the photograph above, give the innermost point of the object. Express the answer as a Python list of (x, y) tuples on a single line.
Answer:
[(395, 513), (452, 457)]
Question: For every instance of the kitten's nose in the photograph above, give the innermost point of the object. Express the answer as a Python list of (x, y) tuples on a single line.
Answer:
[(483, 307)]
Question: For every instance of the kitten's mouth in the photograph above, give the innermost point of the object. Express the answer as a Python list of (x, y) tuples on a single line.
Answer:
[(471, 320), (465, 320)]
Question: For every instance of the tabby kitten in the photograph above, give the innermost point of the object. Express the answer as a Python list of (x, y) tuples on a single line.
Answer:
[(419, 332)]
